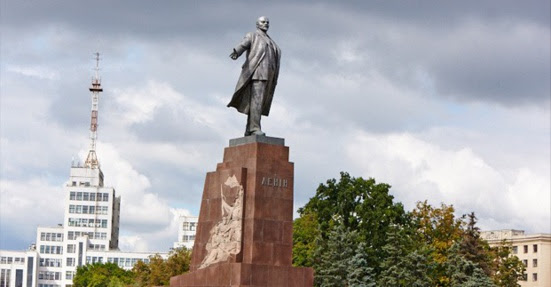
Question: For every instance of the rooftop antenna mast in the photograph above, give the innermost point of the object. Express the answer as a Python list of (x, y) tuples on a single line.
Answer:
[(92, 159)]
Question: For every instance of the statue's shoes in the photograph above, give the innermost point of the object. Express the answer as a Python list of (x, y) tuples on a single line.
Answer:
[(259, 133)]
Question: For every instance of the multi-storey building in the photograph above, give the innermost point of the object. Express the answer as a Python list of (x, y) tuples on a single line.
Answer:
[(89, 233), (187, 226), (534, 250), (18, 268)]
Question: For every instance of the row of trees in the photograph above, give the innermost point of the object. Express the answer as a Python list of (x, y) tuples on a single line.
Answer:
[(156, 272), (353, 234)]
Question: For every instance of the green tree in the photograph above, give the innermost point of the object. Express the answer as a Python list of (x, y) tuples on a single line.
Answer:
[(342, 261), (357, 204), (474, 248), (439, 230), (305, 232), (508, 268), (159, 271), (102, 275), (406, 264), (463, 272)]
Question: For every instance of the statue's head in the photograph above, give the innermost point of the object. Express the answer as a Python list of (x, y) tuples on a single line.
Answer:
[(263, 23)]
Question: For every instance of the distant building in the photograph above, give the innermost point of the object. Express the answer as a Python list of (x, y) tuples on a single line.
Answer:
[(18, 268), (187, 226), (534, 250), (89, 232)]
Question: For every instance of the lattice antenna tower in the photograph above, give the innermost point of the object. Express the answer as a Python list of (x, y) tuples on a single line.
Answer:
[(92, 159)]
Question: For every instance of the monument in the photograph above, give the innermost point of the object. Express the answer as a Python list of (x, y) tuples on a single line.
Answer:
[(245, 231)]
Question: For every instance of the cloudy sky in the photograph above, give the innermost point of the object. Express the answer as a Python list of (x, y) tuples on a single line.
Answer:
[(445, 102)]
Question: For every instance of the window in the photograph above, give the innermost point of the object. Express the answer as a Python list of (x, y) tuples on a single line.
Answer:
[(515, 249), (192, 226), (534, 277), (70, 248), (534, 262), (106, 197), (525, 248), (79, 195), (535, 248), (85, 196), (69, 275), (5, 277), (93, 196), (71, 208), (525, 262), (72, 195), (524, 277)]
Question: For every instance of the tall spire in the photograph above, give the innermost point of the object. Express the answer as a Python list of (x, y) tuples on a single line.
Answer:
[(92, 159)]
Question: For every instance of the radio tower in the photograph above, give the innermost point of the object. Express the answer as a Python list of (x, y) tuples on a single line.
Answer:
[(92, 159)]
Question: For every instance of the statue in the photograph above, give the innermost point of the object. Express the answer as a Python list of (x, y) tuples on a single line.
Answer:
[(255, 88)]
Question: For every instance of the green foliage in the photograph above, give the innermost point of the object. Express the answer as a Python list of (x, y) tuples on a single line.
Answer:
[(353, 234), (102, 275), (357, 204), (404, 265), (305, 232), (342, 260), (463, 272), (508, 268), (159, 271)]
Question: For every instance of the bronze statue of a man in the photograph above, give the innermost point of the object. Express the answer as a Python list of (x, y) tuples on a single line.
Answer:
[(255, 89)]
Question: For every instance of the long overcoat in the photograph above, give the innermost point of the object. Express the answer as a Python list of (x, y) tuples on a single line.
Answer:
[(256, 44)]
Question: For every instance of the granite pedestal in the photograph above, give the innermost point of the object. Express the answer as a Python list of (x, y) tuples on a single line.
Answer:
[(245, 231)]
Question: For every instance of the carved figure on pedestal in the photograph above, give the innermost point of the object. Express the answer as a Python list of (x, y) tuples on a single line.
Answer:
[(256, 85), (225, 236)]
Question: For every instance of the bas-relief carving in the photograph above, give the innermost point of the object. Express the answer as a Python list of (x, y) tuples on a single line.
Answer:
[(225, 236)]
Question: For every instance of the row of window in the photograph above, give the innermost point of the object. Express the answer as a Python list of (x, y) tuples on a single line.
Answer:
[(96, 247), (48, 249), (48, 285), (189, 226), (49, 275), (5, 275), (91, 235), (48, 236), (525, 249), (82, 183), (534, 277), (125, 262), (88, 196), (88, 209), (10, 260), (50, 262), (534, 262), (188, 238), (88, 222)]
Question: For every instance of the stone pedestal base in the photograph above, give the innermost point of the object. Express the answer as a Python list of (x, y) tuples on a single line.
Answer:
[(242, 274), (245, 231)]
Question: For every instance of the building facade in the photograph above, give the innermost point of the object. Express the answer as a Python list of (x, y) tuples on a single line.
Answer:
[(534, 250), (89, 232), (187, 226)]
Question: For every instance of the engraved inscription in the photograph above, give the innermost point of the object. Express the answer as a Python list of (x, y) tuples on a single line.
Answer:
[(274, 181)]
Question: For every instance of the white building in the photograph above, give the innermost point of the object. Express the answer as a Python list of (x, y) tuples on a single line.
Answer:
[(187, 226), (18, 268), (534, 250), (89, 233)]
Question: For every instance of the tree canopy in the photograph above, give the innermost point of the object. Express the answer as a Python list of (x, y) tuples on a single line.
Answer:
[(354, 234)]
